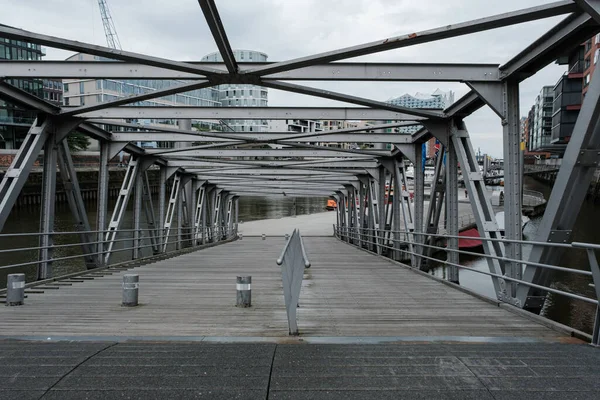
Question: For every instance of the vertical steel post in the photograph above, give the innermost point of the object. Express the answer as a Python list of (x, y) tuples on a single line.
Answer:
[(153, 231), (47, 209), (74, 198), (452, 212), (180, 219), (137, 215), (162, 194), (512, 182), (382, 205), (102, 205), (419, 200), (198, 216)]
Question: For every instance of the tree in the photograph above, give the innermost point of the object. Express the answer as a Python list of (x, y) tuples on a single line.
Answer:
[(77, 141)]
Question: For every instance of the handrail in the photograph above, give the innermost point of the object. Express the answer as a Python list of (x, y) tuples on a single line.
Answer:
[(353, 234)]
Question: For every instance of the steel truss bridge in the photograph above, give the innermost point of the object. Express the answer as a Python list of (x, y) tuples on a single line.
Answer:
[(207, 179)]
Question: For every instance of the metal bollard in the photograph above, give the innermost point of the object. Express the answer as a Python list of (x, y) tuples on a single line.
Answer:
[(244, 291), (264, 237), (241, 235), (15, 289), (131, 287)]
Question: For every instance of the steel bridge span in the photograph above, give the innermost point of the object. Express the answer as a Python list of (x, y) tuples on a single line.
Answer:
[(353, 293)]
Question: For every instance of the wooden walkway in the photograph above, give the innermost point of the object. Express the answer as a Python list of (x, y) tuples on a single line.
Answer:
[(347, 293)]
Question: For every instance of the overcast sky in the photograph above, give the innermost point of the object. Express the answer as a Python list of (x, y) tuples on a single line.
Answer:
[(285, 29)]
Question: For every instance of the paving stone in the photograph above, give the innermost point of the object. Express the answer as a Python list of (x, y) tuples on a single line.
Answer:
[(20, 394), (381, 395), (156, 394)]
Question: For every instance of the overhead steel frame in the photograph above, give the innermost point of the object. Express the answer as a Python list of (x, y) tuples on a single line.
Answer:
[(487, 81)]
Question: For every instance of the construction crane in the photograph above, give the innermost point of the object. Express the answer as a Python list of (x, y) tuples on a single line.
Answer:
[(112, 39)]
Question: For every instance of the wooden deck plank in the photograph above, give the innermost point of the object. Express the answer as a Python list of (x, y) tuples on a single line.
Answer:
[(347, 292)]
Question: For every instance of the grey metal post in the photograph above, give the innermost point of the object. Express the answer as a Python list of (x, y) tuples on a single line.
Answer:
[(237, 213), (180, 219), (381, 204), (162, 194), (73, 193), (137, 216), (47, 210), (15, 289), (363, 201), (153, 231), (512, 182), (102, 205), (171, 208), (419, 200), (452, 227), (131, 287), (243, 291)]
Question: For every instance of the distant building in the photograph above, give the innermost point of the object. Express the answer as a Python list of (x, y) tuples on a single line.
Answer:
[(541, 129), (53, 91), (81, 92), (15, 122), (239, 95), (438, 100), (295, 125)]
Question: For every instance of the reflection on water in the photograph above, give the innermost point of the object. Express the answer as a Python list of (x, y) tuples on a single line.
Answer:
[(574, 313), (26, 220)]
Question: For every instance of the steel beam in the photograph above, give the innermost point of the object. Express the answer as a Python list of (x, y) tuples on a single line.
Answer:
[(451, 214), (46, 239), (513, 175), (444, 32), (580, 161), (171, 208), (154, 94), (480, 202), (249, 113), (209, 9), (137, 216), (340, 71), (102, 205), (262, 137), (327, 94), (121, 206), (419, 187), (148, 205), (114, 54), (592, 7), (76, 204), (15, 177), (561, 39), (287, 152)]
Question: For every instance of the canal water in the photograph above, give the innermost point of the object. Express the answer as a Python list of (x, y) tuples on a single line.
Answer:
[(573, 313), (26, 220)]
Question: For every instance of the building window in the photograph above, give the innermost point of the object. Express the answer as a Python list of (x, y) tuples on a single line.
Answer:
[(66, 101), (596, 54), (66, 87)]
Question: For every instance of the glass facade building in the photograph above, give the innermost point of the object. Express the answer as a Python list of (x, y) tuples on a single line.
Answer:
[(438, 100), (15, 122), (243, 95)]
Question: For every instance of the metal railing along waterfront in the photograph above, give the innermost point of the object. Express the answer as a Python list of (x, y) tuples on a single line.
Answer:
[(398, 244), (182, 239)]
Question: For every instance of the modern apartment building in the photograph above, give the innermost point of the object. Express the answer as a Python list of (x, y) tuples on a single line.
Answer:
[(15, 122), (438, 100), (540, 131), (239, 95), (80, 92)]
